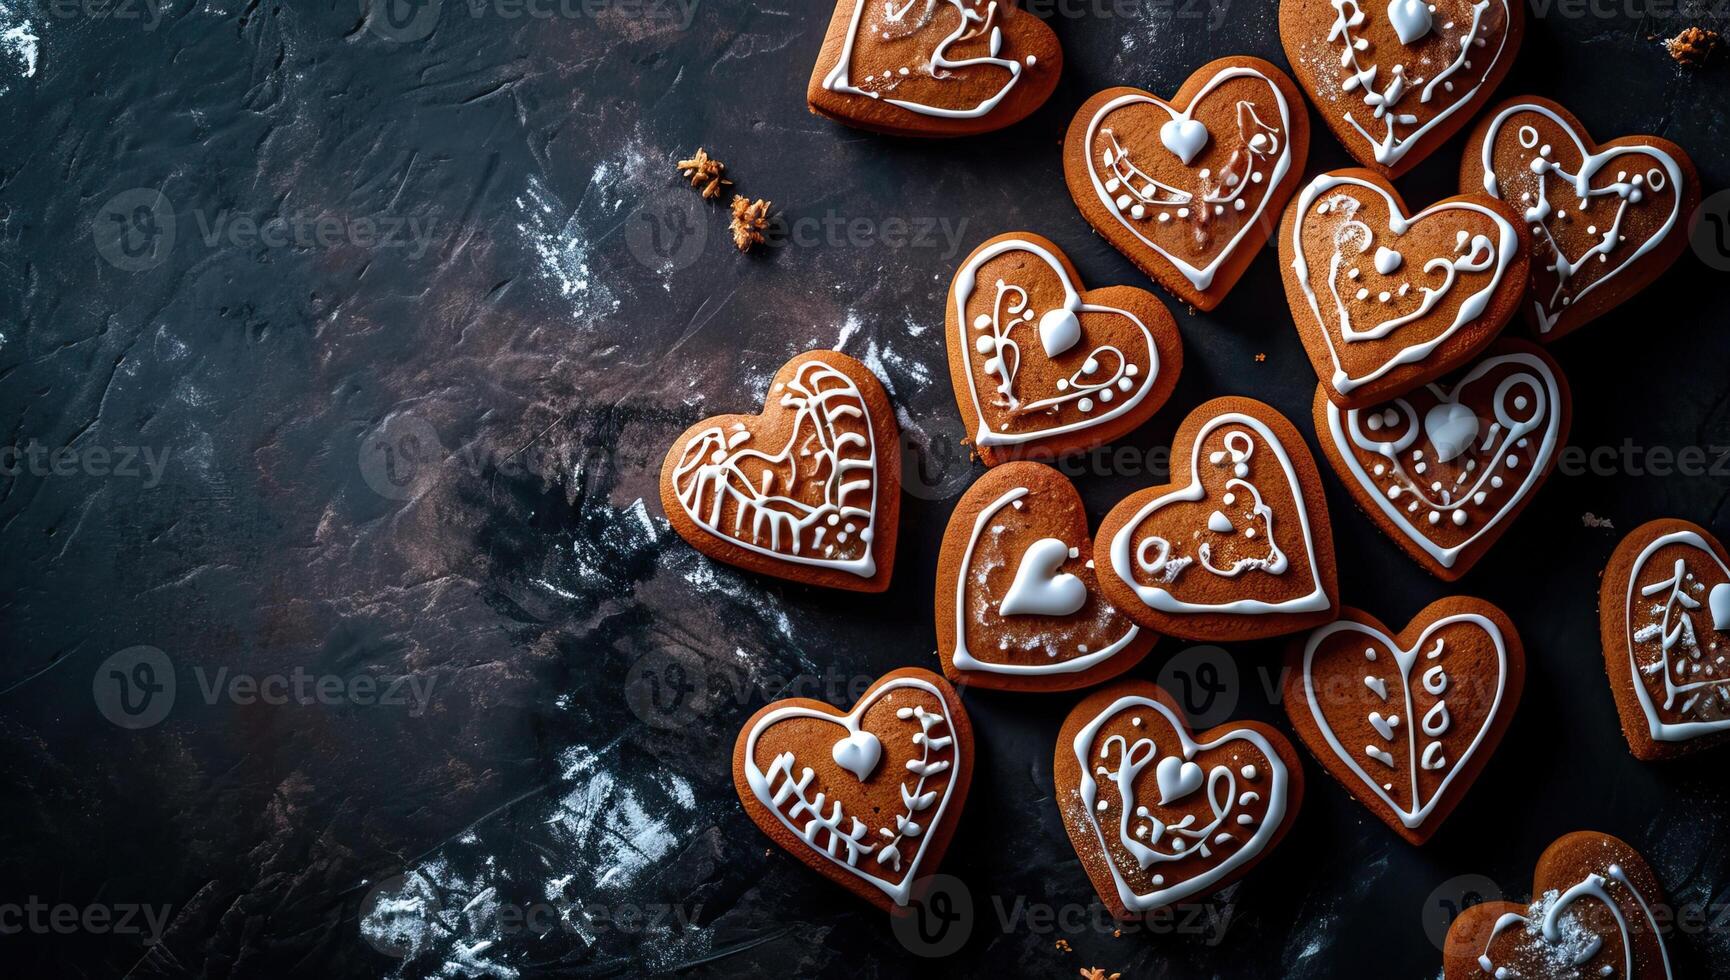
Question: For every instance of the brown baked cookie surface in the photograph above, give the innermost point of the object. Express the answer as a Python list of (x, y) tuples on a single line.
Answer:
[(933, 67), (1394, 80), (1159, 816), (1605, 218), (1190, 189), (1664, 610), (1406, 722), (1018, 603), (809, 491), (1041, 366), (1444, 469), (1386, 300), (870, 797), (1594, 914), (1238, 546)]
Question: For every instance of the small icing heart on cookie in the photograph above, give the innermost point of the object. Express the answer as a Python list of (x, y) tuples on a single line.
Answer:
[(858, 753), (1059, 330), (1176, 779), (1184, 138), (1388, 260), (1720, 602), (1039, 588), (1451, 427), (1411, 19)]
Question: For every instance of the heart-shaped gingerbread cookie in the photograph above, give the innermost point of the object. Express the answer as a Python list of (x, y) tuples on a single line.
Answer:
[(1385, 300), (1239, 546), (933, 67), (1445, 469), (870, 797), (1664, 610), (1041, 366), (1395, 78), (1158, 816), (1594, 914), (1606, 219), (1190, 189), (1018, 603), (809, 491), (1407, 722)]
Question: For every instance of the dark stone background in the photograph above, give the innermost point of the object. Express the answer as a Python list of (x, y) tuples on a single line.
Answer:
[(437, 457)]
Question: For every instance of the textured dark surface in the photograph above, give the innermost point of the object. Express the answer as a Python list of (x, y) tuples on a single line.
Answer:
[(438, 458)]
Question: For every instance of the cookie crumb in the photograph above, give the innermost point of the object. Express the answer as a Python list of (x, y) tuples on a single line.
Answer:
[(1062, 946), (1097, 973), (1592, 520), (706, 171), (1260, 358), (1693, 47), (749, 220)]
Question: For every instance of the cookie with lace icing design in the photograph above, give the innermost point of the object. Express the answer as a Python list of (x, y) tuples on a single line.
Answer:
[(1042, 366), (1595, 913), (1159, 816), (810, 490), (1394, 79), (870, 797), (1018, 600), (1445, 469), (1190, 189), (933, 67), (1664, 613), (1406, 721), (1606, 219), (1386, 300), (1238, 546)]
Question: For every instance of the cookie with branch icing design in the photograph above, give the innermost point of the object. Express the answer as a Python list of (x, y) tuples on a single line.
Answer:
[(1159, 816), (1018, 603), (870, 797), (810, 490), (1406, 722), (1664, 609), (1594, 914), (1190, 189), (1444, 469), (1238, 546), (933, 67), (1041, 366), (1605, 218), (1386, 300), (1395, 78)]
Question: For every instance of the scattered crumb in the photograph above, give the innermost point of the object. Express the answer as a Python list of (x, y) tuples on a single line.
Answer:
[(1062, 946), (749, 220), (1260, 357), (1097, 973), (1592, 520), (1693, 47)]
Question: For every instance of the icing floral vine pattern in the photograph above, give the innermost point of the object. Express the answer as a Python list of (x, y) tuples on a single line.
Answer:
[(812, 500), (1059, 330), (1254, 521), (1690, 670), (1132, 192)]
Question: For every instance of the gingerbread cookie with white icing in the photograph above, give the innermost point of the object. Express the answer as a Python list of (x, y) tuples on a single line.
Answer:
[(1664, 610), (1597, 911), (1395, 78), (1605, 218), (809, 491), (1018, 603), (869, 798), (1042, 366), (1444, 469), (1190, 189), (1406, 722), (933, 67), (1159, 816), (1386, 300), (1238, 546)]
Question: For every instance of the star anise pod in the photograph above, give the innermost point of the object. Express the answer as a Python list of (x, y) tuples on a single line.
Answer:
[(750, 218), (1693, 46), (705, 172)]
